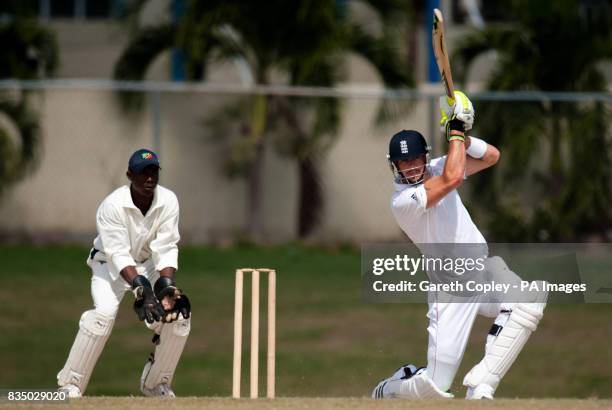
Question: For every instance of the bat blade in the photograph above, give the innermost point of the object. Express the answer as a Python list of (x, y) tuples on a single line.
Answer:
[(441, 53)]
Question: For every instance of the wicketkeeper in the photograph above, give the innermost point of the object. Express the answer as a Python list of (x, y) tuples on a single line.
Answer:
[(135, 250), (427, 207)]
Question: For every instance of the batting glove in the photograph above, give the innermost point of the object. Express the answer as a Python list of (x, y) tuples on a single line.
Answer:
[(462, 110)]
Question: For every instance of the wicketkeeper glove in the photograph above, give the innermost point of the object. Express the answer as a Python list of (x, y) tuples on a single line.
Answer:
[(146, 305), (462, 110), (166, 287)]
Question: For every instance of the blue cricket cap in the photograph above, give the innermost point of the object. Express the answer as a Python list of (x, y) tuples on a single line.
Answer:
[(142, 159)]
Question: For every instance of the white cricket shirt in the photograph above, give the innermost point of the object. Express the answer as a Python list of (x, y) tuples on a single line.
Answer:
[(127, 237), (446, 222)]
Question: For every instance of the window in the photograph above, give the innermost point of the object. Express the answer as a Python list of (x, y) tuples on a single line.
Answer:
[(98, 9), (62, 8), (79, 9)]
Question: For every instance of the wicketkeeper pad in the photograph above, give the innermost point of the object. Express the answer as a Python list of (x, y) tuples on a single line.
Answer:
[(160, 368), (94, 330)]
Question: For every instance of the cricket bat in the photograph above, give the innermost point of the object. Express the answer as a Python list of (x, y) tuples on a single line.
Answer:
[(441, 53)]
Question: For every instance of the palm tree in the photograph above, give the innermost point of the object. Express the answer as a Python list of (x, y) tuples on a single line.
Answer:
[(555, 45), (307, 41), (29, 51)]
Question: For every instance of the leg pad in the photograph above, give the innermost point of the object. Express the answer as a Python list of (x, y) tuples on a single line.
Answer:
[(94, 330), (162, 364), (506, 346)]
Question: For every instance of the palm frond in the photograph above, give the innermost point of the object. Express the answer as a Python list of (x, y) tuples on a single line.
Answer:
[(27, 49), (382, 54), (136, 58), (19, 159)]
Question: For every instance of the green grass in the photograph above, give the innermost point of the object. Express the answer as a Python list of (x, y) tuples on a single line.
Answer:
[(329, 343)]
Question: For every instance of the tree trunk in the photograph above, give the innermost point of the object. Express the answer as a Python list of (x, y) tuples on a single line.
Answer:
[(412, 46), (254, 206), (556, 165), (310, 197)]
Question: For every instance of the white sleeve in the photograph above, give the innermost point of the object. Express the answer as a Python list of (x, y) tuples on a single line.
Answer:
[(411, 203), (115, 240), (436, 165), (164, 247)]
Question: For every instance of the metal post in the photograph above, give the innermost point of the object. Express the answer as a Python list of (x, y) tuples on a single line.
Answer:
[(433, 75), (433, 124), (156, 114)]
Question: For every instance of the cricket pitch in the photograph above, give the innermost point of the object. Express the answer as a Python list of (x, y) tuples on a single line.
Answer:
[(130, 403)]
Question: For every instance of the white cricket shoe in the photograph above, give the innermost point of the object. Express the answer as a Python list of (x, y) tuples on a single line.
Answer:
[(403, 373), (378, 392), (161, 390), (71, 390), (409, 382), (482, 391)]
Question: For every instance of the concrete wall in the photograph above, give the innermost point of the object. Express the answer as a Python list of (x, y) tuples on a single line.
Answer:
[(87, 141)]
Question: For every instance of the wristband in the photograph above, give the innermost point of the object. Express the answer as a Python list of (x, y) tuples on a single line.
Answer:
[(455, 128), (139, 281), (457, 137), (477, 148)]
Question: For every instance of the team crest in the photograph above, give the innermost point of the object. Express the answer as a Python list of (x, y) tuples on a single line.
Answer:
[(404, 146), (147, 155)]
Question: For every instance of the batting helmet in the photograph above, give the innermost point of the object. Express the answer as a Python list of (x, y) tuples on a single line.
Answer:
[(406, 145)]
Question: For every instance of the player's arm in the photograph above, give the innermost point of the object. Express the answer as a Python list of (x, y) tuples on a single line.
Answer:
[(480, 155), (167, 272), (129, 273), (115, 241), (164, 247), (165, 256), (116, 246), (437, 187)]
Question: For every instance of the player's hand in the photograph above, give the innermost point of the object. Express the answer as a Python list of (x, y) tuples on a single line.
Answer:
[(455, 129), (173, 300), (168, 302), (146, 305), (182, 305), (178, 305), (463, 110)]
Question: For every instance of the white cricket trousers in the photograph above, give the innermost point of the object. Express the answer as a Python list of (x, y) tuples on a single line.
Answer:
[(450, 325), (108, 293)]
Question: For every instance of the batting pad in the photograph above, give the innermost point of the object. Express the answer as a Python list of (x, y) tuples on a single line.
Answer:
[(94, 329), (167, 353), (504, 350)]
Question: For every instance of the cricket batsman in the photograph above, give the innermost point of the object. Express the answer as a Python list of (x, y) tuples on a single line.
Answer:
[(135, 250), (427, 207)]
